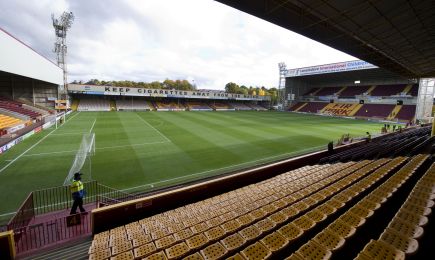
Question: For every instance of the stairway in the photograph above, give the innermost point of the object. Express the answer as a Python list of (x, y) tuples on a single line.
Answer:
[(341, 90), (72, 251), (112, 105), (370, 89), (355, 109), (394, 113), (407, 88), (75, 104), (297, 109)]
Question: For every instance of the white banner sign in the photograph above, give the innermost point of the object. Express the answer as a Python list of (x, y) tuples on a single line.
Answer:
[(330, 68), (121, 91)]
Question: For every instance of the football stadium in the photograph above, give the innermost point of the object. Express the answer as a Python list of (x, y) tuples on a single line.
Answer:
[(338, 165)]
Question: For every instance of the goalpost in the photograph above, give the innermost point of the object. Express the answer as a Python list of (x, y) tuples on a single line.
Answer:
[(82, 161)]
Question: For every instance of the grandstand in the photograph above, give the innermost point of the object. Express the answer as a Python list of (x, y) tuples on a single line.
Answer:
[(93, 104), (369, 199), (197, 106), (133, 105)]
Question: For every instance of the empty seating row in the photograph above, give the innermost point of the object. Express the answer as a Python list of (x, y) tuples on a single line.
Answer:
[(257, 107), (134, 104), (346, 190), (240, 106), (166, 105), (281, 201), (375, 91), (344, 227), (93, 104), (8, 121), (221, 106), (17, 107), (401, 236), (199, 106), (395, 144), (211, 218)]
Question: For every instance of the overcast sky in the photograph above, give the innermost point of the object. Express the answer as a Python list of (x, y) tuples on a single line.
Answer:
[(203, 41)]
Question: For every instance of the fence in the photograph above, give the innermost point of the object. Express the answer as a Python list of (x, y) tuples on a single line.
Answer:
[(51, 232), (34, 226)]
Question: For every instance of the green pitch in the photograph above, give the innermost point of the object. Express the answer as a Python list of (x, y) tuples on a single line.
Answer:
[(139, 151)]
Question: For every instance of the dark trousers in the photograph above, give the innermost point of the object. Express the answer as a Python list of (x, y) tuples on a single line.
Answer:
[(78, 202)]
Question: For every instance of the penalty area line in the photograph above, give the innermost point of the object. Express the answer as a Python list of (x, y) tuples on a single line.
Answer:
[(160, 133), (33, 146)]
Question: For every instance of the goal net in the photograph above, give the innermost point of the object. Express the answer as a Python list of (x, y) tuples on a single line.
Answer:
[(82, 160)]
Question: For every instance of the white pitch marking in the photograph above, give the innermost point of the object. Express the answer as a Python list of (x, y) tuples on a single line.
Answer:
[(217, 169), (98, 148), (162, 135), (90, 130), (42, 139), (129, 145)]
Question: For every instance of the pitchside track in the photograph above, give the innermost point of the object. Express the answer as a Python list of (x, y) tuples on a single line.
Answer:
[(139, 151)]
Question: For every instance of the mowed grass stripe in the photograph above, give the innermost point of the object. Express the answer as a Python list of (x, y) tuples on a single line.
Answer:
[(201, 144)]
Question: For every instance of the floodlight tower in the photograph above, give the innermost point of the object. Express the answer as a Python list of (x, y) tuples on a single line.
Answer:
[(281, 87), (61, 26)]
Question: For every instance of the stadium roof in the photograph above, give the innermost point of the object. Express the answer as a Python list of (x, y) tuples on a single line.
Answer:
[(398, 35), (20, 59)]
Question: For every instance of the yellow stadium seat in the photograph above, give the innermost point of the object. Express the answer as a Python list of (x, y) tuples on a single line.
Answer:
[(120, 247), (278, 217), (274, 241), (330, 240), (416, 209), (245, 220), (215, 233), (183, 234), (405, 244), (381, 250), (291, 232), (422, 202), (326, 209), (97, 246), (289, 211), (214, 251), (144, 250), (236, 257), (128, 255), (316, 215), (265, 225), (352, 219), (200, 227), (314, 251), (233, 242), (102, 254), (231, 226), (300, 206), (257, 214), (250, 233), (256, 251), (334, 203), (176, 251), (370, 205), (405, 228), (361, 211), (197, 241), (195, 256), (411, 218), (165, 242), (304, 222), (341, 229), (157, 256)]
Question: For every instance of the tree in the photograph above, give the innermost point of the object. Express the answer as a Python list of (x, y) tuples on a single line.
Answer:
[(231, 87)]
